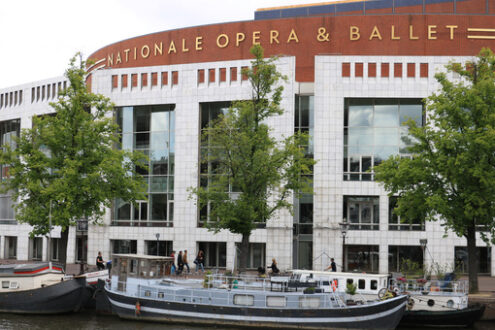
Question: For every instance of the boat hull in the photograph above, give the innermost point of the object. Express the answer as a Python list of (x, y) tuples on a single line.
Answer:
[(448, 319), (64, 297), (381, 316)]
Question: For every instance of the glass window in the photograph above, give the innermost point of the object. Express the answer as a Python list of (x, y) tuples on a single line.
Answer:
[(397, 223), (149, 129), (484, 255), (124, 246), (400, 257), (215, 253), (362, 212), (375, 128), (256, 255), (362, 258)]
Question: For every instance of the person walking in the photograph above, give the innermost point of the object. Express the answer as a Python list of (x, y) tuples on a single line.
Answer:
[(332, 266), (180, 263), (99, 261), (199, 261), (173, 268), (186, 263)]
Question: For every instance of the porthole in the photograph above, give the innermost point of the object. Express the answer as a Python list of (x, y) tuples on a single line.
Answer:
[(450, 303), (431, 302)]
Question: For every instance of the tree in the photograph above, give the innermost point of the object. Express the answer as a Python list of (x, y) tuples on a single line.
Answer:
[(451, 176), (264, 173), (66, 167)]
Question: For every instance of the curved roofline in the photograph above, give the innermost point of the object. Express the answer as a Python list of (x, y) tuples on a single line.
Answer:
[(156, 32), (309, 5)]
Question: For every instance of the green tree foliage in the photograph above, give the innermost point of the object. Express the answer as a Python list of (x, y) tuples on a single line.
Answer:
[(452, 174), (266, 173), (67, 163)]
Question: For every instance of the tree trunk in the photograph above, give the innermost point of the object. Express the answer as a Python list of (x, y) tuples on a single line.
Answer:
[(64, 239), (243, 253), (472, 259)]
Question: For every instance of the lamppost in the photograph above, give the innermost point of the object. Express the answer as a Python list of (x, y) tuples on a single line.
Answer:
[(157, 244), (423, 243), (343, 231)]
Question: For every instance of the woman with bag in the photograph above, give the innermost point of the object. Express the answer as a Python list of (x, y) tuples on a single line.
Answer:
[(200, 261)]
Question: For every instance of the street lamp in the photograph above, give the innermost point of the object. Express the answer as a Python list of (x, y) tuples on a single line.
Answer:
[(343, 231), (423, 242), (157, 244)]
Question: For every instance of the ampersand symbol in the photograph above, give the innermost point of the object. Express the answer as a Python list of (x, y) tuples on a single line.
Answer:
[(323, 35)]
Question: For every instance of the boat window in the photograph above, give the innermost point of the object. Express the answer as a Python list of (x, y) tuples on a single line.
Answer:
[(325, 283), (350, 281), (374, 284), (14, 285), (147, 293), (161, 295), (361, 284), (309, 302), (5, 284), (133, 266), (276, 301), (244, 300)]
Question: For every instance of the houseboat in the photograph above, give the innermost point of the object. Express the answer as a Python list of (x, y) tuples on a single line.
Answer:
[(138, 291), (430, 303), (39, 288)]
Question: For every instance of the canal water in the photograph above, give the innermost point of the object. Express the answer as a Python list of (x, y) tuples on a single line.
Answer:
[(90, 321)]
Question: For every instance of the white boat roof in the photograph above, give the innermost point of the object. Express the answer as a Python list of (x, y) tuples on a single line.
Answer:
[(337, 274)]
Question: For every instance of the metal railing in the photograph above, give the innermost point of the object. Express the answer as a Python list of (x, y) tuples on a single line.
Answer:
[(420, 285)]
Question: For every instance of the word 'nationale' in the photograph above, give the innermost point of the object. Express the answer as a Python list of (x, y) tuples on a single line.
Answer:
[(274, 37)]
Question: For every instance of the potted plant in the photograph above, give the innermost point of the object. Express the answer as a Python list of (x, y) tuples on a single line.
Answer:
[(351, 290)]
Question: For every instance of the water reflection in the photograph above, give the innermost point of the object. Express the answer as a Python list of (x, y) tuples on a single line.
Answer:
[(90, 321)]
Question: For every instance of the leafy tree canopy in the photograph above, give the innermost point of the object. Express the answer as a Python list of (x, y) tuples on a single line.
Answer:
[(67, 163), (264, 173), (451, 176)]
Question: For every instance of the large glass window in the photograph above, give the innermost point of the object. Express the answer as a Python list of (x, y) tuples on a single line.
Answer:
[(303, 207), (8, 131), (161, 248), (362, 212), (361, 258), (10, 248), (484, 255), (256, 255), (396, 222), (35, 248), (215, 254), (124, 246), (400, 257), (150, 130), (375, 129), (208, 113)]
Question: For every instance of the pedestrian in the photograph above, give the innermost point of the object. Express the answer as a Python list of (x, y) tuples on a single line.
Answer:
[(99, 261), (332, 266), (186, 263), (173, 268), (199, 261), (274, 267), (180, 263)]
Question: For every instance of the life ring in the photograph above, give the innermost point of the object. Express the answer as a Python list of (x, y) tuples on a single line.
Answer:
[(138, 308), (334, 285)]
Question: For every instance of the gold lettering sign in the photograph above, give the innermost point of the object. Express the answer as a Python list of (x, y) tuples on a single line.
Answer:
[(158, 48), (411, 33), (431, 32), (256, 37), (451, 28), (393, 36), (171, 48), (375, 33), (225, 42), (274, 36), (239, 37), (354, 33), (199, 43), (126, 52), (293, 37), (184, 48), (145, 51)]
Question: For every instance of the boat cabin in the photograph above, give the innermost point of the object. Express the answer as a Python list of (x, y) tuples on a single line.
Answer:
[(20, 277), (337, 281), (129, 269)]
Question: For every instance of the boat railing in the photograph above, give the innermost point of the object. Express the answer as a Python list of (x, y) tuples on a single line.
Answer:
[(240, 297), (427, 286)]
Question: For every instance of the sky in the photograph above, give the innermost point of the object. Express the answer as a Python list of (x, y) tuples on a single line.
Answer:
[(38, 37)]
